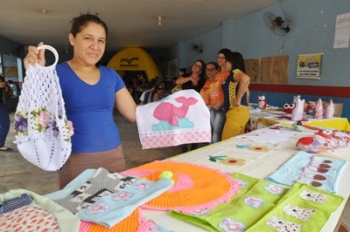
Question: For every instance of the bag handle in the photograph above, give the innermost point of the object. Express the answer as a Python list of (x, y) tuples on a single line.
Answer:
[(53, 50)]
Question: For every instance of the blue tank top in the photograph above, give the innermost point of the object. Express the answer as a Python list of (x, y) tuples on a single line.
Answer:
[(90, 108)]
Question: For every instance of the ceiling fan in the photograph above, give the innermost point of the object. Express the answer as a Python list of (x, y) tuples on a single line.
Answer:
[(277, 24)]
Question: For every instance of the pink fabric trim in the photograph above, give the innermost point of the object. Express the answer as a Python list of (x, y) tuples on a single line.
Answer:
[(145, 224), (84, 226), (173, 138), (184, 182)]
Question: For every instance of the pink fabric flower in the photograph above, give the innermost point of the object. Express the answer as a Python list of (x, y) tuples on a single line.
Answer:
[(96, 208), (141, 186), (43, 120), (122, 195), (71, 129)]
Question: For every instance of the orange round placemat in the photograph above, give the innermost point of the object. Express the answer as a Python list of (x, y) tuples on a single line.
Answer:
[(196, 187)]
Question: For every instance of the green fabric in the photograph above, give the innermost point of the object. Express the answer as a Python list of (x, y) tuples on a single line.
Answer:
[(304, 208), (246, 183), (68, 222), (249, 208), (253, 199), (300, 208)]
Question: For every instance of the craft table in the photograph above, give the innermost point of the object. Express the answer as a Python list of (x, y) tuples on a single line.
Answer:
[(258, 154), (266, 118)]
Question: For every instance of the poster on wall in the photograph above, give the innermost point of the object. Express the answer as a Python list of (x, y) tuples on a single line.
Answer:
[(273, 70), (342, 31), (309, 66)]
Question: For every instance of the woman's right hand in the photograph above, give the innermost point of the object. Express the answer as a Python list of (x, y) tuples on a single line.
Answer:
[(34, 56)]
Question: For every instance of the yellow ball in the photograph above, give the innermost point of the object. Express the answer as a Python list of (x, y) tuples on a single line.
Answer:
[(166, 175)]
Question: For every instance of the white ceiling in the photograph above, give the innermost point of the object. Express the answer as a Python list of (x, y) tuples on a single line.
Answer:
[(130, 22)]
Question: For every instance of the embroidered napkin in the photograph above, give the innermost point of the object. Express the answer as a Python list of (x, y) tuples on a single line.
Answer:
[(180, 118)]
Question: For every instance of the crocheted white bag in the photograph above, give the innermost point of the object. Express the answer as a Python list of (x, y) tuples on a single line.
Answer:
[(42, 131)]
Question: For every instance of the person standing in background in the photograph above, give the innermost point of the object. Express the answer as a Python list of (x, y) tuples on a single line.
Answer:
[(4, 115), (90, 92), (14, 87), (213, 97), (195, 80), (235, 89), (181, 73)]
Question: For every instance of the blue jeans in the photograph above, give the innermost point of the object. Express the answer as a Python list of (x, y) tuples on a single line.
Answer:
[(217, 122), (4, 124)]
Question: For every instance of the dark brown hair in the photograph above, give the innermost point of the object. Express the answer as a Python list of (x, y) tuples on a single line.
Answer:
[(227, 53), (202, 75), (237, 61), (80, 22), (215, 64)]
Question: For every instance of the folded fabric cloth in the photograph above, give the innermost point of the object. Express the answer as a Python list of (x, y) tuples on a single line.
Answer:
[(228, 158), (304, 209), (303, 167), (290, 171), (322, 172), (180, 118), (105, 197), (267, 135), (41, 214)]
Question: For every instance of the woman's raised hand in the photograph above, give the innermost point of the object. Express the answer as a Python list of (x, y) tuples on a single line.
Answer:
[(34, 56)]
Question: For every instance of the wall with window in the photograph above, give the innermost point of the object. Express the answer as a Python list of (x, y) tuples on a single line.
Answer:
[(11, 61)]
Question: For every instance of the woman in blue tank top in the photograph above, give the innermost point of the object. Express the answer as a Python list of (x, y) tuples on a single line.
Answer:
[(90, 92)]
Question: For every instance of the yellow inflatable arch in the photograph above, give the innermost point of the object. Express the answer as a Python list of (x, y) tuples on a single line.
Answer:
[(134, 59)]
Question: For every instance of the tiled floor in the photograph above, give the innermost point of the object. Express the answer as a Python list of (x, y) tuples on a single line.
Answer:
[(16, 172)]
